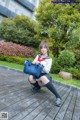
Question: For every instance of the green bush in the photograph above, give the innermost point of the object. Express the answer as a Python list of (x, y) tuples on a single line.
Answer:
[(77, 66), (75, 37), (55, 66), (75, 72), (14, 59), (20, 30), (8, 29), (66, 58), (77, 55)]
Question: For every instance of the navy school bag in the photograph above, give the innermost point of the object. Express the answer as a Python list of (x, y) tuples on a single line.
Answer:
[(33, 69)]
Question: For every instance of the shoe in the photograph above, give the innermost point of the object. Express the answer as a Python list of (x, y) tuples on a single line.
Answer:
[(35, 89), (58, 102)]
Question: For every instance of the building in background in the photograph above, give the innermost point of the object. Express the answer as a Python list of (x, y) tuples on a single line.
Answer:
[(11, 8)]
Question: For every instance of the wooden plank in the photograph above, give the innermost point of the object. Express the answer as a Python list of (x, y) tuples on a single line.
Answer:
[(44, 113), (13, 108), (21, 103), (33, 106), (19, 106), (39, 109), (62, 110), (15, 96), (34, 113), (9, 89), (70, 110), (55, 110), (14, 93), (13, 100), (29, 109), (76, 114)]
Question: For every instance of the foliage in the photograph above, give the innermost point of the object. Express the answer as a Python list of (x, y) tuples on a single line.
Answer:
[(20, 30), (66, 1), (70, 82), (57, 21), (12, 65), (55, 66), (77, 66), (14, 59), (77, 55), (13, 49), (66, 62), (74, 42), (66, 58), (75, 72)]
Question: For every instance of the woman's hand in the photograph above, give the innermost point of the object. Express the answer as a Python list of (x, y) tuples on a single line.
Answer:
[(37, 62)]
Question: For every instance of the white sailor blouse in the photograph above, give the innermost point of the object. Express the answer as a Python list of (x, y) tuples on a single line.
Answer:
[(46, 62)]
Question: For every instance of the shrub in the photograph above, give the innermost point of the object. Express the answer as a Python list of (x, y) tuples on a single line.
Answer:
[(77, 55), (66, 58), (12, 49), (55, 66), (20, 30), (77, 66), (14, 59), (75, 72), (7, 29)]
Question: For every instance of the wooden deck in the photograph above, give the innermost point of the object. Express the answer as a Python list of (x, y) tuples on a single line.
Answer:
[(21, 103)]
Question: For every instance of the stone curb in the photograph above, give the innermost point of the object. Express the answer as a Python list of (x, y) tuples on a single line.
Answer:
[(66, 85), (54, 81), (9, 68)]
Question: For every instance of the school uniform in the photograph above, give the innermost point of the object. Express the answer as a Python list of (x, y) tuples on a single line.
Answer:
[(47, 63)]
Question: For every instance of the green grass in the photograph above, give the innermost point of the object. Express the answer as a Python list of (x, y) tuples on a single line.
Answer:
[(12, 65), (54, 76), (72, 81)]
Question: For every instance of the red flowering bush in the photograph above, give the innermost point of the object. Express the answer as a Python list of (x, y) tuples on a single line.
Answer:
[(12, 49)]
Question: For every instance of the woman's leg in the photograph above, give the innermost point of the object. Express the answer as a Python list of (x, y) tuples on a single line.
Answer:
[(50, 86), (47, 83), (31, 79), (33, 82)]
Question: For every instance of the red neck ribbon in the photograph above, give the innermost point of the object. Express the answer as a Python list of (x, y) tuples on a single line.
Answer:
[(41, 59)]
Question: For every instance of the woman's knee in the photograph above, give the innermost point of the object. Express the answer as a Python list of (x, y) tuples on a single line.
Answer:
[(44, 79), (31, 79)]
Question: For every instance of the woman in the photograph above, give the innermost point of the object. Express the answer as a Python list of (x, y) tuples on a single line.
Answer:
[(45, 78)]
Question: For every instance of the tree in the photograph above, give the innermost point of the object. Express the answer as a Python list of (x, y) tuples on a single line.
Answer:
[(75, 43), (57, 22), (20, 30)]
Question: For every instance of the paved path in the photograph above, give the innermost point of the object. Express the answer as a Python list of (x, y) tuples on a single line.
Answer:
[(21, 103)]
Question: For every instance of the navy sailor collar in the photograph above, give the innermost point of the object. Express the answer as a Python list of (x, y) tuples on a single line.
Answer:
[(47, 57)]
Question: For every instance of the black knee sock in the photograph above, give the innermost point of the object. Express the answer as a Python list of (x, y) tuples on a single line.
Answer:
[(50, 86), (36, 85)]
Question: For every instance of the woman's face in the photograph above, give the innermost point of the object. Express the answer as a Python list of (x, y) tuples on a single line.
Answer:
[(44, 50)]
